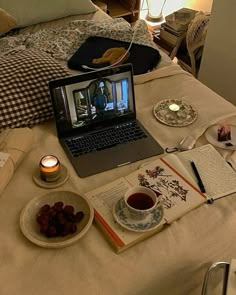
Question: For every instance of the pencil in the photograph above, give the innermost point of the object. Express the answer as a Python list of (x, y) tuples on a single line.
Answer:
[(199, 180)]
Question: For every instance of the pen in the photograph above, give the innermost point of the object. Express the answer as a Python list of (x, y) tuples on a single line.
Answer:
[(199, 181)]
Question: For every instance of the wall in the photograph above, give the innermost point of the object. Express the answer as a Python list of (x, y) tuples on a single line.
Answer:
[(201, 5), (218, 64)]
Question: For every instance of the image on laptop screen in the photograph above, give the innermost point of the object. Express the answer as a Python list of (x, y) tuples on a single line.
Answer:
[(85, 103)]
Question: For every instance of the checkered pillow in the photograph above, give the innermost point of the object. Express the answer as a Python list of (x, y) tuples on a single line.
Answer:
[(24, 93)]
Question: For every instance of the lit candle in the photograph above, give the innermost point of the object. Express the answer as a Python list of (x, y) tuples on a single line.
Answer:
[(174, 107), (49, 168)]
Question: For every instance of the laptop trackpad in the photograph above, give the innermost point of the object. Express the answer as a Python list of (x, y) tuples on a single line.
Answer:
[(106, 159)]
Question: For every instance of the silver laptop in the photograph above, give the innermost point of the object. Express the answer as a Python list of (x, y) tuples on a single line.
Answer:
[(96, 120)]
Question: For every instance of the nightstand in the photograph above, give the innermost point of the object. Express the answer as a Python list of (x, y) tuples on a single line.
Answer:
[(173, 31), (170, 47), (123, 9)]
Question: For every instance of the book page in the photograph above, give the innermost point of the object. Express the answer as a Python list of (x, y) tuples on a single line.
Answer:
[(217, 176), (103, 199), (179, 195), (175, 162)]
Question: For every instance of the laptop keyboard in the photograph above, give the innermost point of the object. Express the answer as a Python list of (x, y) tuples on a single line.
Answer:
[(105, 139)]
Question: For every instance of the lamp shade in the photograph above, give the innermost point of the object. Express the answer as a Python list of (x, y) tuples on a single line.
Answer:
[(155, 8), (81, 96)]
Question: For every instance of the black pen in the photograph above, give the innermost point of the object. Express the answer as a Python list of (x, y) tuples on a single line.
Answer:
[(199, 181)]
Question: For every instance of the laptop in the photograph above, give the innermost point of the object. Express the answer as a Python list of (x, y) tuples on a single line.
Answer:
[(96, 120)]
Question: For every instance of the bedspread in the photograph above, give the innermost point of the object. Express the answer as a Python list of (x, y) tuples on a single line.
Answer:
[(171, 82), (172, 262), (61, 42)]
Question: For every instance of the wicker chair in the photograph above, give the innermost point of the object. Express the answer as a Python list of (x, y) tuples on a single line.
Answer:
[(189, 56), (195, 39)]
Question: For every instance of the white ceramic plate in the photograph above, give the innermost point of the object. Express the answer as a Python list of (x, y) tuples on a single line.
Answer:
[(30, 227), (211, 137), (185, 116), (122, 216)]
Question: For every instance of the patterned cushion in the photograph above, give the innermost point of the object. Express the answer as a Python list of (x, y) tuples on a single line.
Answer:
[(24, 93)]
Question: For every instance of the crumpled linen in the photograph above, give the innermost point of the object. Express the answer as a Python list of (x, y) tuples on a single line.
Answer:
[(15, 142)]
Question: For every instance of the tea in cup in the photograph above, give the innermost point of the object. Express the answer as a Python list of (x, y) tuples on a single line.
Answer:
[(141, 201)]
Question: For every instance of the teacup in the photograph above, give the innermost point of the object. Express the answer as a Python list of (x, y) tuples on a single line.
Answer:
[(141, 201)]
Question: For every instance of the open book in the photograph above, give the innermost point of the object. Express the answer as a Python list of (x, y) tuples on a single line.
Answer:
[(171, 176)]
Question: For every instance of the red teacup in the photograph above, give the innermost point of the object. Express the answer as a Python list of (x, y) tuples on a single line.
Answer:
[(141, 201)]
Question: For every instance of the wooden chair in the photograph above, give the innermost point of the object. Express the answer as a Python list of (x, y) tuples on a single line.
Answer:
[(195, 39)]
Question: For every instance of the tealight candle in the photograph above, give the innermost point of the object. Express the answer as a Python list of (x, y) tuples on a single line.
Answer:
[(174, 107), (49, 168)]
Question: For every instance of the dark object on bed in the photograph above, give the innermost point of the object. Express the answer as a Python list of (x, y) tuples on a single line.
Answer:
[(143, 58)]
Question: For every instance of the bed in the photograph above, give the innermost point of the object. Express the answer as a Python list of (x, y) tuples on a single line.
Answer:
[(173, 261)]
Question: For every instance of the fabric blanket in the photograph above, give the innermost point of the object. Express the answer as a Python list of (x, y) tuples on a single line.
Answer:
[(16, 143), (63, 41), (172, 262), (172, 82)]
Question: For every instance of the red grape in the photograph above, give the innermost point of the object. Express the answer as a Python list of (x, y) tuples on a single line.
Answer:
[(58, 206), (51, 231), (79, 216), (42, 219), (69, 209), (44, 208), (58, 219)]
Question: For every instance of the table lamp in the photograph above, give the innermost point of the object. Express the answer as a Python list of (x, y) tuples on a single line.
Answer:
[(155, 8)]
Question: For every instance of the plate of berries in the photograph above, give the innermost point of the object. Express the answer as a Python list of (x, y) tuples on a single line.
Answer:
[(57, 219)]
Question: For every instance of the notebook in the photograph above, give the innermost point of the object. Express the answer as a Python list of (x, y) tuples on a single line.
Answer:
[(96, 120)]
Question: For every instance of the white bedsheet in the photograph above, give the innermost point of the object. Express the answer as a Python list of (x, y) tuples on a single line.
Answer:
[(172, 262)]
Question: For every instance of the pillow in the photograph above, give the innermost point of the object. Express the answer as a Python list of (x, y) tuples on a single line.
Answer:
[(24, 92), (7, 22), (29, 12)]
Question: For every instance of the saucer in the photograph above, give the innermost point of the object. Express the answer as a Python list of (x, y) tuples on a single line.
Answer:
[(122, 216), (62, 179), (185, 116), (211, 137)]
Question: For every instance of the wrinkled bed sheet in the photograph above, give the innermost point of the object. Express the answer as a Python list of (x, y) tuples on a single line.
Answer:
[(172, 262), (61, 42), (62, 37)]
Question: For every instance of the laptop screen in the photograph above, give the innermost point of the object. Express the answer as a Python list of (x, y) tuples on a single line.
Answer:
[(86, 101)]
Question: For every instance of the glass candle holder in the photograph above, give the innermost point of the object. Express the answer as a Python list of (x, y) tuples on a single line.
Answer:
[(49, 168)]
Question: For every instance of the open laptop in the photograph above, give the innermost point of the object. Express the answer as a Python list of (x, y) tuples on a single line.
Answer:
[(96, 120)]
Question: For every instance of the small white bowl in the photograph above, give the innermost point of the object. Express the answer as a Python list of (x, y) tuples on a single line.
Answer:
[(30, 227)]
